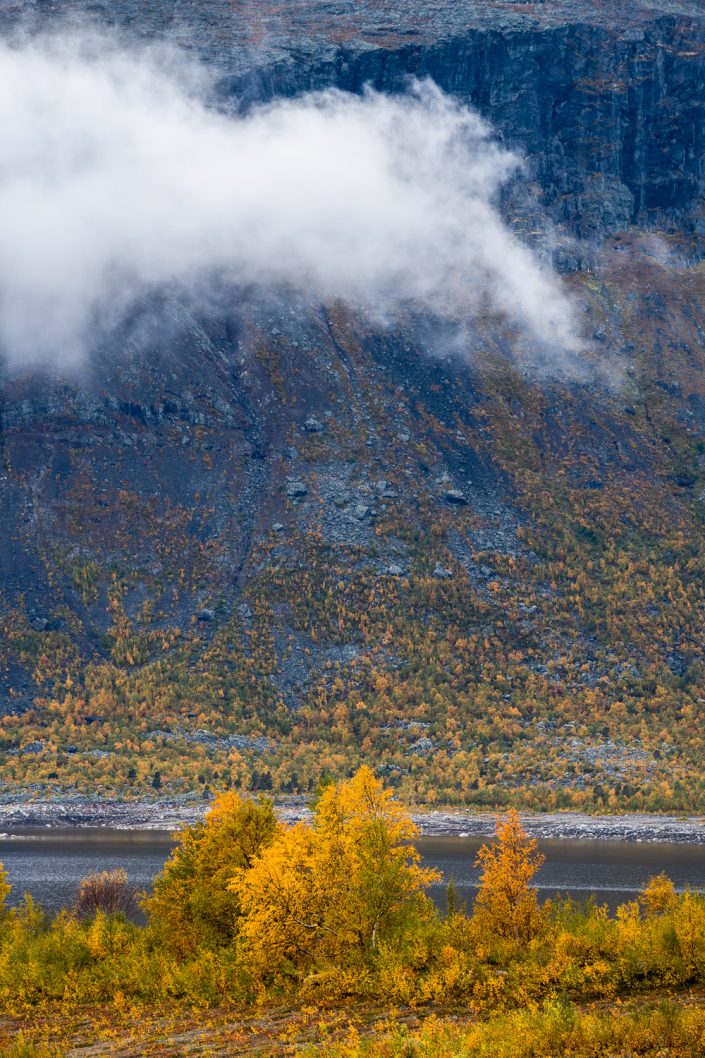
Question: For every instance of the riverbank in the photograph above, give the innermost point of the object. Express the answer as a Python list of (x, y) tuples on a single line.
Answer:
[(171, 815)]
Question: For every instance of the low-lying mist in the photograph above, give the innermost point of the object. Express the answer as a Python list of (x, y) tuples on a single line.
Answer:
[(119, 176)]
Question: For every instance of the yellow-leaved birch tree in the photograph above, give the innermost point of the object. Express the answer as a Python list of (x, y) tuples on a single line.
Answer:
[(328, 892)]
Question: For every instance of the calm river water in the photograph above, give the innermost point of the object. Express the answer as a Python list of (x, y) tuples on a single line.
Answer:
[(49, 863)]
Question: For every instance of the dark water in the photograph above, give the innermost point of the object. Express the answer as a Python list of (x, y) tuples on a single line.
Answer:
[(50, 863), (614, 871)]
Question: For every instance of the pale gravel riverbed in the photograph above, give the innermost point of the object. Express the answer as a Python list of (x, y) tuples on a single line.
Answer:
[(170, 815)]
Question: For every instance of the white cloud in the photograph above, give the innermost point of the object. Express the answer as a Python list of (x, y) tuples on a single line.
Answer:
[(117, 177)]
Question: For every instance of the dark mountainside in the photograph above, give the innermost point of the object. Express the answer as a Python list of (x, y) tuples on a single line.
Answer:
[(279, 541)]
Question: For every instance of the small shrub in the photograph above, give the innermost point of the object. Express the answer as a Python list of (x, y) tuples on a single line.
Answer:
[(106, 891)]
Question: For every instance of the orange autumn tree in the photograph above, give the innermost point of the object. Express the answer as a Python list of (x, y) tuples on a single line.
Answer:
[(326, 894), (507, 903)]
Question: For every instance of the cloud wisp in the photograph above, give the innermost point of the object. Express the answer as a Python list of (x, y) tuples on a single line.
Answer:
[(118, 177)]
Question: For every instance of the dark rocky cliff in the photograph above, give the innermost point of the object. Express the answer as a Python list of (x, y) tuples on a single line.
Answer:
[(610, 117), (280, 539), (604, 98)]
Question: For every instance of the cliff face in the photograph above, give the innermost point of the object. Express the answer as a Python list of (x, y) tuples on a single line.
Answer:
[(610, 118), (603, 99), (280, 539)]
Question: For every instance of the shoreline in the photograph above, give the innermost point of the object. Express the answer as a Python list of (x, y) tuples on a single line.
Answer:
[(171, 815)]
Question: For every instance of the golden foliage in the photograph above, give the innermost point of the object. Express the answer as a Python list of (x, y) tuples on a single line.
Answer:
[(192, 905), (5, 889), (319, 912), (328, 893), (659, 895), (506, 904)]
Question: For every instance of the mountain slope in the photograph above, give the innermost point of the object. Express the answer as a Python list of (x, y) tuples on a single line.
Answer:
[(273, 540)]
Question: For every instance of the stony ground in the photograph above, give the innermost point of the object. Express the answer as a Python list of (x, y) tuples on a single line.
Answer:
[(171, 815)]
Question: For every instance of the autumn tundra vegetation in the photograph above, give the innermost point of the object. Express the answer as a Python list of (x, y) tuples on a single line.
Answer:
[(251, 914)]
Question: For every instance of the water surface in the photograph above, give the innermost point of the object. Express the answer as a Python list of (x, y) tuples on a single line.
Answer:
[(612, 871), (50, 863)]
